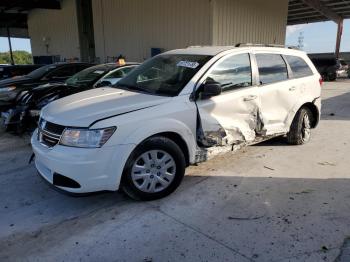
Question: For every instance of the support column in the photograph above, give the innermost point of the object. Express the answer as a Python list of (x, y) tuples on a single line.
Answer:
[(10, 45), (339, 36)]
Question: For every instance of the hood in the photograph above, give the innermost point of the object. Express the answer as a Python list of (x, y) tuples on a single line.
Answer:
[(82, 109), (15, 81), (40, 96)]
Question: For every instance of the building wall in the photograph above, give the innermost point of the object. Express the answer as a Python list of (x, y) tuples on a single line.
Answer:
[(59, 27), (133, 27), (249, 21)]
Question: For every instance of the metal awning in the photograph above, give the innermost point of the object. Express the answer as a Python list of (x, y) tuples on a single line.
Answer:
[(13, 14), (310, 11)]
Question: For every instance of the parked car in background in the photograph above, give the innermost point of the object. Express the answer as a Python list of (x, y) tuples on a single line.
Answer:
[(8, 71), (112, 77), (176, 109), (343, 68), (327, 66), (54, 73), (25, 113)]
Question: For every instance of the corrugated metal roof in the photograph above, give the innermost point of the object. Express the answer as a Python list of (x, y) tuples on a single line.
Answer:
[(302, 12)]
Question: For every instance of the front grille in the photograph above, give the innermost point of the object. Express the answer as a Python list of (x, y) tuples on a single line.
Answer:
[(49, 133)]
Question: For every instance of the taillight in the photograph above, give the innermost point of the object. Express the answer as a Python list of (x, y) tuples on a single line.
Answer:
[(321, 81)]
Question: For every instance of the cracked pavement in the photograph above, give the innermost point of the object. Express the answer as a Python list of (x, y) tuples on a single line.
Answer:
[(268, 202)]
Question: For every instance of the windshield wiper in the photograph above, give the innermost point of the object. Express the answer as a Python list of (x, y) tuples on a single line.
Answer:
[(132, 88)]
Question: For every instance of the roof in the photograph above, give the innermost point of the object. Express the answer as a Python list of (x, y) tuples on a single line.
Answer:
[(201, 50), (215, 50), (310, 11)]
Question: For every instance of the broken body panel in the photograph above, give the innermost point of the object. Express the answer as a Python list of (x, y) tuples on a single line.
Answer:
[(248, 115)]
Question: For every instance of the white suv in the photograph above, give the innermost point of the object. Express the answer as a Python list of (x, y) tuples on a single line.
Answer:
[(176, 109)]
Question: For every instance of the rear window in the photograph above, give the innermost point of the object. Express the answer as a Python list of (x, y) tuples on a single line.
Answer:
[(272, 68), (299, 67)]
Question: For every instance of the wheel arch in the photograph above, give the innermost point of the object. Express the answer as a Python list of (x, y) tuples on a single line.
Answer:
[(315, 112), (177, 139)]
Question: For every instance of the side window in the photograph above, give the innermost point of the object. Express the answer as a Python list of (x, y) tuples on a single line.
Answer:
[(63, 72), (116, 74), (272, 68), (150, 75), (126, 70), (233, 72), (299, 67)]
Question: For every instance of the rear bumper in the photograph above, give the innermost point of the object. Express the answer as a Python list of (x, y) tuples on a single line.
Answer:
[(317, 102)]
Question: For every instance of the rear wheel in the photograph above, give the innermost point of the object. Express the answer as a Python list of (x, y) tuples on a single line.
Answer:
[(300, 130), (154, 169)]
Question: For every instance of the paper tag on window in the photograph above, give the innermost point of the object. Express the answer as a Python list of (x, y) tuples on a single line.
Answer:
[(99, 72), (188, 64)]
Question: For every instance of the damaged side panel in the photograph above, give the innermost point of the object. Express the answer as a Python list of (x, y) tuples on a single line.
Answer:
[(229, 120)]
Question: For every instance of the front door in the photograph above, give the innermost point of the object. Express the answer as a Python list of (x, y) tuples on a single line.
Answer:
[(233, 116)]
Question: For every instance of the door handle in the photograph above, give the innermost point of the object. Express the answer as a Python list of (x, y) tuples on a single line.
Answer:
[(249, 98), (293, 88)]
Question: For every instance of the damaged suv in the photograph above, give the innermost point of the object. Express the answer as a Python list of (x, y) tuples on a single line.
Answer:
[(176, 109)]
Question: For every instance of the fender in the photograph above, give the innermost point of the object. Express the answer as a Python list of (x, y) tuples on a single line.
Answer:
[(163, 125), (296, 108)]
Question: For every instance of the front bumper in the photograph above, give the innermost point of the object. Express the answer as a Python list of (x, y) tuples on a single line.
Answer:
[(18, 119), (97, 169)]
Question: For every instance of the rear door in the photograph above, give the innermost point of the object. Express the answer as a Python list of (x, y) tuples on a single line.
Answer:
[(232, 116), (301, 73), (278, 94)]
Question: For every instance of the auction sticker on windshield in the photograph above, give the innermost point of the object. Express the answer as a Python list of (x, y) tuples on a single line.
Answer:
[(188, 64), (99, 72)]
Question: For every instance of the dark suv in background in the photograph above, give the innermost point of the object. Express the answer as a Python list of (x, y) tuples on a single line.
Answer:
[(326, 66), (8, 71)]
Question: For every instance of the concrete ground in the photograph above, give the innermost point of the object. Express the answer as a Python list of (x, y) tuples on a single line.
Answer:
[(269, 202)]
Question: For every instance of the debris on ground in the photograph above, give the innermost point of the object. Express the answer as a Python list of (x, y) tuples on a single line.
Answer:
[(270, 168), (326, 163)]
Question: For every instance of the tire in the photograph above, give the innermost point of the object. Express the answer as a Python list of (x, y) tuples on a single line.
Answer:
[(332, 78), (299, 132), (154, 169)]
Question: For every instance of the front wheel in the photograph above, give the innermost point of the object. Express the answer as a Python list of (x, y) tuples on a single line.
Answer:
[(300, 130), (154, 169)]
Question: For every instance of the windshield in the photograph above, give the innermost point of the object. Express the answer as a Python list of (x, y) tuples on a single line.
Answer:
[(40, 72), (88, 76), (163, 75)]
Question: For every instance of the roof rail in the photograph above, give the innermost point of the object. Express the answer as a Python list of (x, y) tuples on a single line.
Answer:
[(266, 45)]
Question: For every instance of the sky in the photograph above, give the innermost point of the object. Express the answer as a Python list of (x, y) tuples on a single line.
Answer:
[(17, 44), (318, 38)]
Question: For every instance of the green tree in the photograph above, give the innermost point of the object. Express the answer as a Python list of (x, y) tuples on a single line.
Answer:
[(20, 57)]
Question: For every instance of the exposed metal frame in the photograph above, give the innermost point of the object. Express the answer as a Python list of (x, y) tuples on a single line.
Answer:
[(310, 11)]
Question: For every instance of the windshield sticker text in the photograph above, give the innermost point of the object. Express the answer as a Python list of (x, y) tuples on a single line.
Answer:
[(188, 64)]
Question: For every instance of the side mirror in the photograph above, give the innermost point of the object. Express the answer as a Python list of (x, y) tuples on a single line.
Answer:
[(210, 89)]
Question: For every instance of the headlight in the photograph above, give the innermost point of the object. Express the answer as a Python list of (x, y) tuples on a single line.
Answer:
[(90, 138), (7, 89)]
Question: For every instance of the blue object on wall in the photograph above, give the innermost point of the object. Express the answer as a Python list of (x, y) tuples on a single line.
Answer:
[(156, 51)]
